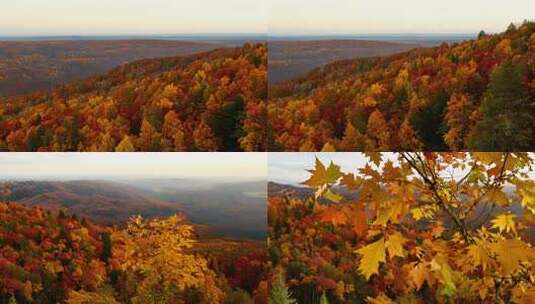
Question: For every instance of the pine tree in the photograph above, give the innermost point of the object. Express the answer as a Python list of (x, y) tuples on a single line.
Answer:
[(506, 123), (323, 299), (279, 293)]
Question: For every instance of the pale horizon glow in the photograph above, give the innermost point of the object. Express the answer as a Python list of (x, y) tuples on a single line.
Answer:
[(100, 17), (389, 17), (290, 167), (195, 165), (273, 17)]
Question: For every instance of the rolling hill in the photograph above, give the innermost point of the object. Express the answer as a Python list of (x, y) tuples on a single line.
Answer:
[(28, 66), (102, 201), (209, 101), (218, 209), (477, 95), (292, 58)]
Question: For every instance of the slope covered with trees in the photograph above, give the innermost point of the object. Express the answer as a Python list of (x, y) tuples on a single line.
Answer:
[(476, 95), (28, 66), (48, 257), (410, 236), (204, 102)]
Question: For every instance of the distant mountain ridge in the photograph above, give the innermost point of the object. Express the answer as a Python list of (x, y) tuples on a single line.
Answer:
[(27, 66), (219, 209)]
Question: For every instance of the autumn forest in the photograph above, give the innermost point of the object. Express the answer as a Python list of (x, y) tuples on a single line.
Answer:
[(320, 157)]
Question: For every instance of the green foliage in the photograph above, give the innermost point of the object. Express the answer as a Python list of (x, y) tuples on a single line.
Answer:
[(507, 119), (238, 297), (401, 102), (279, 292), (323, 299), (227, 123), (427, 122)]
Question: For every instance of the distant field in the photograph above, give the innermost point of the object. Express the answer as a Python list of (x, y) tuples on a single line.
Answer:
[(289, 59), (27, 66)]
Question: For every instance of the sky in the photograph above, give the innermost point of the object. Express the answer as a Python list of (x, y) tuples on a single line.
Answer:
[(278, 17), (290, 167), (395, 16), (196, 165), (109, 17)]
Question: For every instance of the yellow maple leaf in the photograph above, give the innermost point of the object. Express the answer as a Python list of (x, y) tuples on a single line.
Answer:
[(504, 222), (510, 253), (375, 157), (380, 299), (321, 175), (418, 275), (394, 245), (372, 255), (479, 255)]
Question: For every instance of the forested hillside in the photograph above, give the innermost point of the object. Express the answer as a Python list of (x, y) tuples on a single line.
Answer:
[(203, 102), (28, 66), (476, 95), (48, 257)]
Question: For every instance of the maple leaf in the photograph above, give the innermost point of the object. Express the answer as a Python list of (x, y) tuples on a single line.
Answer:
[(510, 253), (359, 221), (350, 181), (488, 157), (333, 216), (479, 255), (394, 244), (375, 157), (418, 275), (372, 255), (321, 175), (504, 222), (332, 196), (318, 175), (380, 299)]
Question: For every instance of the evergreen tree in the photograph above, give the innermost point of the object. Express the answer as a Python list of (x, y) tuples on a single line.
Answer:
[(427, 122), (279, 293), (506, 121), (323, 299), (106, 246)]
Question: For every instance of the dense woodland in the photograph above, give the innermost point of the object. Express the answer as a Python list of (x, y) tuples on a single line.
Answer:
[(212, 101), (48, 257), (411, 235), (477, 95)]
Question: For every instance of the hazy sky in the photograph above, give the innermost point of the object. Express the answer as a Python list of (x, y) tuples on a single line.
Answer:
[(86, 17), (236, 166), (290, 167), (78, 17), (395, 16)]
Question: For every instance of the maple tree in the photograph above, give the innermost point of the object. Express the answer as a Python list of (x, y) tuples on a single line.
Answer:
[(51, 257), (423, 227), (472, 95), (213, 101)]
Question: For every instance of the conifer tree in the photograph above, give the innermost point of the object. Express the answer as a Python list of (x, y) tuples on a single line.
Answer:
[(279, 293), (323, 299), (506, 123)]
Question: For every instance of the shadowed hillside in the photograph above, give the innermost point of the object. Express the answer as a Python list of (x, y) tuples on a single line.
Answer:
[(28, 66), (292, 58)]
